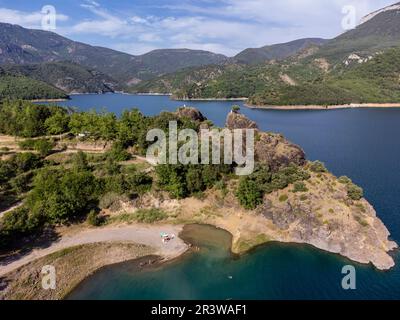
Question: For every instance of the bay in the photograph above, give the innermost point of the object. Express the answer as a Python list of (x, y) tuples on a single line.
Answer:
[(360, 143)]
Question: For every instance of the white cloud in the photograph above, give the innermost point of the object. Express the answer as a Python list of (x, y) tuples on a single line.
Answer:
[(224, 26), (25, 19)]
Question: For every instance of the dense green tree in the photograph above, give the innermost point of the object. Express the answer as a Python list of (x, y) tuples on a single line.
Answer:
[(61, 195), (130, 127), (57, 123), (249, 193)]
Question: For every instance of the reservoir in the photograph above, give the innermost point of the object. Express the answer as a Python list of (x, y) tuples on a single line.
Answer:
[(360, 143)]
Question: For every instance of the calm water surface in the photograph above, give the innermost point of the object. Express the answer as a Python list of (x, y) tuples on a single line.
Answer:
[(363, 144)]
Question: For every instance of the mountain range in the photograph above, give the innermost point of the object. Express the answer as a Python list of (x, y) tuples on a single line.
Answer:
[(276, 74)]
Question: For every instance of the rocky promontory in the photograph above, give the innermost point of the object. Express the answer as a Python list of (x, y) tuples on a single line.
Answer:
[(322, 213)]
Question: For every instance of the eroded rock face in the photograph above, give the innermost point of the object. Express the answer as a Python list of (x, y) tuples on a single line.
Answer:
[(275, 151), (191, 113), (326, 218), (236, 120), (271, 149)]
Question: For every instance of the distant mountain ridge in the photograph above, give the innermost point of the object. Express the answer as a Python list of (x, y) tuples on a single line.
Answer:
[(24, 46), (69, 77), (358, 66), (304, 71), (377, 31), (277, 51)]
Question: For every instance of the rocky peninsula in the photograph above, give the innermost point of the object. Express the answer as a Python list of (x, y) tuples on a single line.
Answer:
[(314, 208)]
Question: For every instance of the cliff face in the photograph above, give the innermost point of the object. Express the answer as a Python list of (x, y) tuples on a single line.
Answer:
[(327, 218), (270, 148)]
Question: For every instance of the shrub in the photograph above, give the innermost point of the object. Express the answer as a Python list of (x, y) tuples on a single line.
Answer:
[(150, 215), (112, 201), (20, 184), (354, 192), (300, 187), (80, 161), (61, 195), (118, 152), (93, 218), (139, 182), (344, 180), (28, 144), (318, 166), (283, 198), (44, 147), (249, 193), (24, 162), (16, 224), (235, 108)]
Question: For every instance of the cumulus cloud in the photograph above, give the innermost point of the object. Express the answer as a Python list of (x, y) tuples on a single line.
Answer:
[(222, 26)]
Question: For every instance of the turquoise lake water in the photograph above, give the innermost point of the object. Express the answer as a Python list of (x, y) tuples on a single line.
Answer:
[(360, 143)]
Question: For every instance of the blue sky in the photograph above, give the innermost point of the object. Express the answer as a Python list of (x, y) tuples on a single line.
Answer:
[(222, 26)]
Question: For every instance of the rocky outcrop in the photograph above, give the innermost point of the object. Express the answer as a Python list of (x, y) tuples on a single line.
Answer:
[(275, 151), (236, 120), (326, 218), (191, 113), (271, 149)]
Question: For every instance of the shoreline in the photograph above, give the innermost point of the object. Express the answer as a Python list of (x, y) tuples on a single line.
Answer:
[(48, 100), (212, 99), (147, 235), (330, 107)]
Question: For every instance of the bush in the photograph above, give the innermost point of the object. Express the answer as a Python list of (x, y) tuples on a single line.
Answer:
[(80, 161), (28, 144), (354, 192), (44, 147), (235, 108), (112, 201), (249, 193), (283, 198), (139, 182), (24, 162), (93, 218), (318, 167), (118, 152), (150, 215), (61, 195), (300, 187), (16, 224), (344, 180), (21, 183)]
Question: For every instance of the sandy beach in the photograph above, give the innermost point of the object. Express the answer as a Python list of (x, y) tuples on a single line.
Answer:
[(138, 234)]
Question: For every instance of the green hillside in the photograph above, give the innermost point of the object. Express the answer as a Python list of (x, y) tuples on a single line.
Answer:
[(20, 87), (67, 76), (277, 51)]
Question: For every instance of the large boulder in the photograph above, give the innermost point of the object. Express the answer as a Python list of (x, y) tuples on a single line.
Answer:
[(271, 149), (274, 150), (236, 120), (191, 113)]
